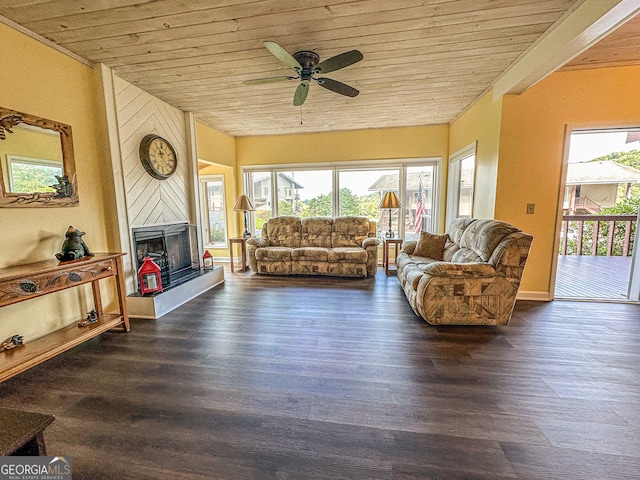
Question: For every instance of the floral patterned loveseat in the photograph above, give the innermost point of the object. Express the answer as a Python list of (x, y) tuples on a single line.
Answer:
[(472, 278), (341, 246)]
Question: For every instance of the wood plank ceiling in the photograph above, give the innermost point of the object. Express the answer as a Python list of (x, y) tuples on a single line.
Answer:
[(424, 62)]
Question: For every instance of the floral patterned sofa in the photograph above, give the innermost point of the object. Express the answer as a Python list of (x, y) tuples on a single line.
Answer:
[(341, 246), (470, 275)]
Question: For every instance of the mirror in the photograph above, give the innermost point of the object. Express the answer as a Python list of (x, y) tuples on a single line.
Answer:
[(37, 168)]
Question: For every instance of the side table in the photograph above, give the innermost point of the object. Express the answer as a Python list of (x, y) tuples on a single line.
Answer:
[(243, 252), (397, 243)]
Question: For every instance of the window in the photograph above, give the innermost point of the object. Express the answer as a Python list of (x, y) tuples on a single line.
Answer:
[(258, 188), (27, 175), (214, 211), (462, 165), (304, 193), (362, 190), (347, 189), (418, 201)]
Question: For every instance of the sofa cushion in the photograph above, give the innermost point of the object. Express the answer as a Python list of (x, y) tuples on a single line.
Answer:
[(303, 267), (465, 255), (284, 231), (312, 254), (346, 269), (316, 232), (412, 274), (431, 245), (349, 231), (450, 250), (457, 227), (483, 236), (274, 268), (345, 254), (450, 269), (274, 254)]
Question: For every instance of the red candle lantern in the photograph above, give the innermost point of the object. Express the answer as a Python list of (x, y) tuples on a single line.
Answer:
[(149, 277), (207, 260)]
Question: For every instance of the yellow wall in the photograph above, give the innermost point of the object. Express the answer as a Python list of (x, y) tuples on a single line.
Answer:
[(214, 146), (532, 145), (374, 144), (409, 142), (481, 124), (49, 84)]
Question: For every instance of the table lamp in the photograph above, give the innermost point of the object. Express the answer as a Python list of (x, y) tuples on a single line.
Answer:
[(389, 201), (243, 204)]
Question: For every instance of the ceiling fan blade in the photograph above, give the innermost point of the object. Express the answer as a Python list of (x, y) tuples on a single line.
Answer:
[(301, 93), (339, 61), (338, 87), (282, 55), (257, 81)]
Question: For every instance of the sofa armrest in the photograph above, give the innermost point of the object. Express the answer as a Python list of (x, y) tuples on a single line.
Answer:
[(258, 242), (370, 242), (449, 269), (409, 247)]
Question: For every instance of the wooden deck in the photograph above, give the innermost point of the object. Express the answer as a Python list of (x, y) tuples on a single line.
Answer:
[(592, 277)]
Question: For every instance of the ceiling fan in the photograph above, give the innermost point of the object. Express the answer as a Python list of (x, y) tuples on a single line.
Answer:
[(307, 65)]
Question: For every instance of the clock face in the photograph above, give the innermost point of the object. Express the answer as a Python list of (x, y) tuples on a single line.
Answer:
[(158, 157)]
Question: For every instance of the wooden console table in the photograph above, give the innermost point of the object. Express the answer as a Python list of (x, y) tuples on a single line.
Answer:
[(24, 282)]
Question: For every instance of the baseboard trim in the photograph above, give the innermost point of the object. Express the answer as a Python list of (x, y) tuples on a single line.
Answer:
[(536, 296)]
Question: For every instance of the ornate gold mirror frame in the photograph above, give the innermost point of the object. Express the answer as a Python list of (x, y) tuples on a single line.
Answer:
[(63, 194)]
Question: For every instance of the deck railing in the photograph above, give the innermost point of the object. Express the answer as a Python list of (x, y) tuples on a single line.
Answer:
[(605, 235)]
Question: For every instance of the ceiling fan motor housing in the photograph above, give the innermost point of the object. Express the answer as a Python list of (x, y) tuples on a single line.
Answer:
[(307, 60)]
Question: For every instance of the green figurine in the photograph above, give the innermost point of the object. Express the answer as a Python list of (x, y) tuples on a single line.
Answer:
[(73, 246)]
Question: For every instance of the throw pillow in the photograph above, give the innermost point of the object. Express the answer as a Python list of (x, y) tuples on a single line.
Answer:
[(431, 245)]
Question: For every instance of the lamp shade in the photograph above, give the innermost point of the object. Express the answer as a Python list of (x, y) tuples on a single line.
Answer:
[(243, 204), (389, 200)]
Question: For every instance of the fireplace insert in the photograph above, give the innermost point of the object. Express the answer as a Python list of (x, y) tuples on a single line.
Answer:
[(173, 247)]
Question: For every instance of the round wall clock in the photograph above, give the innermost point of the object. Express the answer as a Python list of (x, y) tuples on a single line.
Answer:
[(158, 156)]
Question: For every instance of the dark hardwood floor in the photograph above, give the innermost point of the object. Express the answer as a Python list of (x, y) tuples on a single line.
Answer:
[(296, 378)]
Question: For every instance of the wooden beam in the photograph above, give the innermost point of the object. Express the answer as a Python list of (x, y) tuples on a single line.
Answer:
[(578, 29)]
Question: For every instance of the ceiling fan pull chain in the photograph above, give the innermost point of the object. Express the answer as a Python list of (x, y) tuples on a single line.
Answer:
[(300, 114)]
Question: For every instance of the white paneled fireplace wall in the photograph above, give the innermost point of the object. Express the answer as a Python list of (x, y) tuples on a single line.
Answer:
[(141, 200)]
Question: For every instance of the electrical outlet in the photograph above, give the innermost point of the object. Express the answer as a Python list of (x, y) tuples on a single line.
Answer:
[(531, 207)]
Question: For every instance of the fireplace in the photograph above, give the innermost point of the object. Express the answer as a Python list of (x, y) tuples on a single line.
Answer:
[(173, 247)]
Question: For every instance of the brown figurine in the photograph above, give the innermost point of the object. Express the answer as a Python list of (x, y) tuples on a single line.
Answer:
[(73, 246)]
